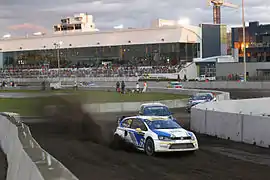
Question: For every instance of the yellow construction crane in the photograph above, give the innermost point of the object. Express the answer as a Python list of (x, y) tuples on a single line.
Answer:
[(216, 9)]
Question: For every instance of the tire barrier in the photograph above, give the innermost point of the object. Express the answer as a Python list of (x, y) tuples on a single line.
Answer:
[(26, 159), (244, 121)]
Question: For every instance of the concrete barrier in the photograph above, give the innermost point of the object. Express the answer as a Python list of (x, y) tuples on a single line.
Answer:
[(133, 106), (129, 106), (256, 130), (26, 159), (245, 121), (227, 85)]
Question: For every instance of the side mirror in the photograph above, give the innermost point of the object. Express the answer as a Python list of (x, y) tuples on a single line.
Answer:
[(138, 130)]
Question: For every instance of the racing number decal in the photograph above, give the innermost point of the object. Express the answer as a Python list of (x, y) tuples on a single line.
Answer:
[(133, 138), (141, 144), (137, 140)]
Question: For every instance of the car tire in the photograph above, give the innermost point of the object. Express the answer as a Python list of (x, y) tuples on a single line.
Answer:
[(149, 147)]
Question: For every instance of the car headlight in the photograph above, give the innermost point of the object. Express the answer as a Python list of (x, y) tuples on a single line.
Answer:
[(164, 138), (192, 136)]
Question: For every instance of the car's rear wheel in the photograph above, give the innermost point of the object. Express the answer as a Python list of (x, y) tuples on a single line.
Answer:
[(149, 147)]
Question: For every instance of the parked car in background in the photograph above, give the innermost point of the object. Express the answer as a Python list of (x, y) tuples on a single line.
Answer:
[(205, 78), (55, 85)]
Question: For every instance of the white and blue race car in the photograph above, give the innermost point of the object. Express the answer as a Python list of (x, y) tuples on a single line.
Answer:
[(200, 98), (153, 134), (155, 109)]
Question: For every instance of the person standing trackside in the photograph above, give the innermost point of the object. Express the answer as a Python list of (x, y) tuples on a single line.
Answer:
[(75, 87), (117, 86), (137, 87), (144, 86), (123, 87)]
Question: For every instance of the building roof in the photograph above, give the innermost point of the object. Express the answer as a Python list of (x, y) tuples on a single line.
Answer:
[(189, 34)]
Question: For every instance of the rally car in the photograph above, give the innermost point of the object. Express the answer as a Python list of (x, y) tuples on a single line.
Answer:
[(175, 85), (200, 98), (152, 134), (155, 109)]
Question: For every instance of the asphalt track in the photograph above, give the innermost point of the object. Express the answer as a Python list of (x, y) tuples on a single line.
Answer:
[(216, 159)]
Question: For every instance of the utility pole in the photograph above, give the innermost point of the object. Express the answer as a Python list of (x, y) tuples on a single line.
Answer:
[(57, 48), (244, 41), (58, 61)]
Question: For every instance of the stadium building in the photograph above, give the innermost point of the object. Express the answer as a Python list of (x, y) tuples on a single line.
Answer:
[(257, 51), (77, 42)]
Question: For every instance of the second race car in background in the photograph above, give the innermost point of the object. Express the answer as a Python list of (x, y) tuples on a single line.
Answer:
[(155, 109), (175, 84), (200, 98)]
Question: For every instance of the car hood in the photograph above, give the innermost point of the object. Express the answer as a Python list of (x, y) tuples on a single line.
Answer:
[(180, 132)]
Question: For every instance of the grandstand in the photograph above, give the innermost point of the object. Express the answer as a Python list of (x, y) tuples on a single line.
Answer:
[(117, 52), (163, 48)]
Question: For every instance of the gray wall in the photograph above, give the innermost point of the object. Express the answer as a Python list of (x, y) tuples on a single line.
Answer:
[(224, 69), (1, 60)]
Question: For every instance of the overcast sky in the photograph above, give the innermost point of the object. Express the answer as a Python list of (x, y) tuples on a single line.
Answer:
[(26, 16)]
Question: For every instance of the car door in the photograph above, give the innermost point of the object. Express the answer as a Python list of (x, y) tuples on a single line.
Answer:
[(124, 129), (137, 134)]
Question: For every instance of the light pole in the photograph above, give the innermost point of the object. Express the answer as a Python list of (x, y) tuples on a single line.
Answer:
[(57, 47), (244, 41)]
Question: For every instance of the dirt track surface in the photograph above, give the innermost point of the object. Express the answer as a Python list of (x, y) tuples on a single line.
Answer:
[(3, 165), (216, 159)]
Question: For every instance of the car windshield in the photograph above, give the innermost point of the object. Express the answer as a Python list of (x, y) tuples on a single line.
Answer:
[(201, 97), (157, 111), (162, 124)]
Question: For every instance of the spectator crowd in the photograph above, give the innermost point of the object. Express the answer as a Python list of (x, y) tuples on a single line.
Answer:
[(104, 71)]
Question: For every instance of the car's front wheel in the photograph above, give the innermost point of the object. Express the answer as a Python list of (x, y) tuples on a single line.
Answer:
[(149, 147)]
